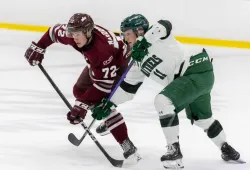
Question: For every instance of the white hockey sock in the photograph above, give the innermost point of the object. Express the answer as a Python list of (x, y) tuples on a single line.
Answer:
[(213, 129), (171, 134), (219, 139)]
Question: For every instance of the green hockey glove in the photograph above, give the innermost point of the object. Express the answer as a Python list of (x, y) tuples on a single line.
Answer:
[(140, 49), (103, 109)]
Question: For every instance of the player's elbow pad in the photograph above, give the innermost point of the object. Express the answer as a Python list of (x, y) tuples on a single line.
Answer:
[(161, 30), (125, 92)]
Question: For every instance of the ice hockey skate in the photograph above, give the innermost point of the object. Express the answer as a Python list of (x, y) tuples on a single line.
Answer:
[(229, 154), (102, 129), (130, 153), (173, 157)]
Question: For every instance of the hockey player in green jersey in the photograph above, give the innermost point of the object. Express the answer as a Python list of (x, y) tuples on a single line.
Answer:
[(188, 81)]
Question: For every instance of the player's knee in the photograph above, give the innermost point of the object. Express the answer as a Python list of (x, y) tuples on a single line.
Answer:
[(114, 120), (163, 105)]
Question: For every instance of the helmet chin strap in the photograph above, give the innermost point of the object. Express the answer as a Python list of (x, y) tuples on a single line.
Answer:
[(89, 40), (89, 37)]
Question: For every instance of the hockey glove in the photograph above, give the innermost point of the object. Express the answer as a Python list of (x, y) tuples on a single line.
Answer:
[(103, 109), (78, 112), (140, 49), (34, 54)]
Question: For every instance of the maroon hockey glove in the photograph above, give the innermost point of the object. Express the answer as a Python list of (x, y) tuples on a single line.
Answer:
[(78, 113), (34, 54)]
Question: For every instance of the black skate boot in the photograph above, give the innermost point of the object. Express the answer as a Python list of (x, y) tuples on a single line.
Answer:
[(173, 157), (102, 129), (130, 153), (229, 153)]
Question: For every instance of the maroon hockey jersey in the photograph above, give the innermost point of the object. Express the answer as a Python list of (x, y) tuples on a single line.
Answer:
[(105, 54)]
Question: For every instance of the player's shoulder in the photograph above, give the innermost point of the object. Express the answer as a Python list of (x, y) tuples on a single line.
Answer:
[(159, 31), (105, 41), (103, 35), (166, 23), (161, 26)]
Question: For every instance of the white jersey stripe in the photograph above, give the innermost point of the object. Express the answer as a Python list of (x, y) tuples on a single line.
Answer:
[(102, 80), (102, 89)]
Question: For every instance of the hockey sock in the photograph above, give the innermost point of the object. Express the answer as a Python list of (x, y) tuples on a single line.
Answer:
[(120, 133), (216, 133), (168, 118), (117, 126), (213, 129), (170, 127)]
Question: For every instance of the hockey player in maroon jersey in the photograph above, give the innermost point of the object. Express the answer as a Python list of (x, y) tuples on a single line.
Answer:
[(106, 57)]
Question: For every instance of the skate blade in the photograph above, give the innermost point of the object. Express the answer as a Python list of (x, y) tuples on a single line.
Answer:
[(131, 160), (239, 161), (177, 164)]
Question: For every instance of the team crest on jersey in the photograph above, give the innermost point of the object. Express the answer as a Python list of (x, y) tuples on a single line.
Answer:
[(108, 60)]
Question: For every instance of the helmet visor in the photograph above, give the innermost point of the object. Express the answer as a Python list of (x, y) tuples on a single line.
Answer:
[(71, 30)]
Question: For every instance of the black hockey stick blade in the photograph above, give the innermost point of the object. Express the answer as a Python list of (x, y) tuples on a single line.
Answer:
[(114, 162), (72, 138)]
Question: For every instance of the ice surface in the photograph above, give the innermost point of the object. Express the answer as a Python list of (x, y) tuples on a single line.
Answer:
[(34, 129)]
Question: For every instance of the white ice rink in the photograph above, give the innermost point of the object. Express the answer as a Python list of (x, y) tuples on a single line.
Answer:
[(34, 129)]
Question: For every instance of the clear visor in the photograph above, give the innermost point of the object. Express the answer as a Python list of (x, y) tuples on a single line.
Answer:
[(126, 28), (138, 31), (70, 31)]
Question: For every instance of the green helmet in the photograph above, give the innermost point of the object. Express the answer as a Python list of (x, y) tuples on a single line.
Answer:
[(134, 22)]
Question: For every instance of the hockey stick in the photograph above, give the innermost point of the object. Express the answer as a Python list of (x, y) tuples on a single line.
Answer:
[(71, 137), (55, 86), (114, 162)]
